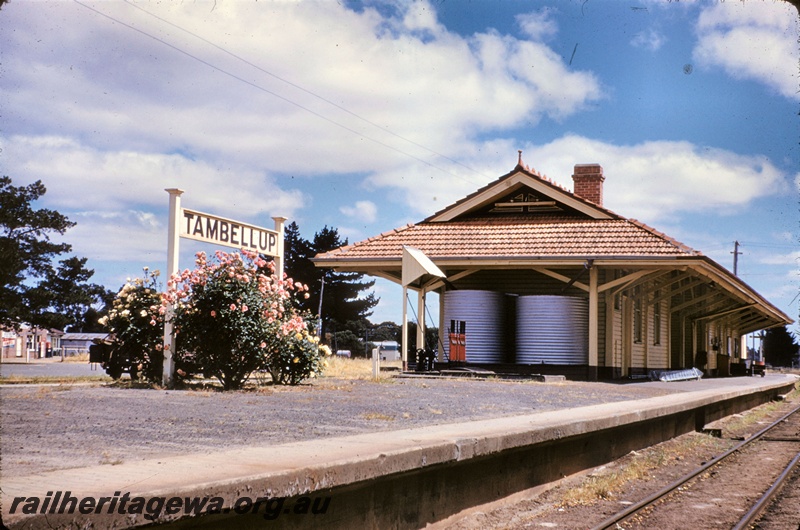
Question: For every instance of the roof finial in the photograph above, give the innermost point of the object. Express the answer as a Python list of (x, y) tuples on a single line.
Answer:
[(519, 162)]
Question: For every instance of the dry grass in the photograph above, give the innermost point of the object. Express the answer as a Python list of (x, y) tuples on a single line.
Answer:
[(377, 416), (52, 379), (358, 368), (44, 391), (82, 358), (106, 460)]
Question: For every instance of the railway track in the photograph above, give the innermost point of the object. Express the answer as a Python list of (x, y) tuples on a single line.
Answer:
[(720, 494)]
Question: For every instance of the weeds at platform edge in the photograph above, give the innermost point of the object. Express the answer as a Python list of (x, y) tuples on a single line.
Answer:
[(741, 421), (608, 482)]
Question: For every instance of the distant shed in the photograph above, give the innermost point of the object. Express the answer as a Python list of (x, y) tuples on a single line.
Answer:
[(78, 343)]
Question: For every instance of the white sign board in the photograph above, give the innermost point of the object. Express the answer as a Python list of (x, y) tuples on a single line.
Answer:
[(212, 229)]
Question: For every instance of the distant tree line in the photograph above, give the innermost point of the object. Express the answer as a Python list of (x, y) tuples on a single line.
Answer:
[(34, 290), (780, 348)]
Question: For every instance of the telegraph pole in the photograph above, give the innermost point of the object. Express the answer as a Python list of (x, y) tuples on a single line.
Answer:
[(736, 258), (321, 292)]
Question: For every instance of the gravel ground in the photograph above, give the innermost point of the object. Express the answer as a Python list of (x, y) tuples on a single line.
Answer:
[(58, 427)]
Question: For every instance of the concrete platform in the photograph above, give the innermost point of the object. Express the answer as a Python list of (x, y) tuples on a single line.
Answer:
[(400, 479)]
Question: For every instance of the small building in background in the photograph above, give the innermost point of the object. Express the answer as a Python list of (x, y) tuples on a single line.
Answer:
[(30, 343), (78, 343)]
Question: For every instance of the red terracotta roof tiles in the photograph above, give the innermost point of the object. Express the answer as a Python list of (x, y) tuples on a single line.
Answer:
[(519, 237)]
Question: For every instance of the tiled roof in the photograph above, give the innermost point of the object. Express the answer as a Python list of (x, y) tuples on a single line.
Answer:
[(518, 237)]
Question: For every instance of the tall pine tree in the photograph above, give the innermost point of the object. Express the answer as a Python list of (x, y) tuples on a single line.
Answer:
[(342, 301), (297, 254), (780, 348), (343, 298)]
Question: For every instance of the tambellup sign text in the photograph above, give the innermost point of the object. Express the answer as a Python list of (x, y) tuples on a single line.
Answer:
[(212, 229)]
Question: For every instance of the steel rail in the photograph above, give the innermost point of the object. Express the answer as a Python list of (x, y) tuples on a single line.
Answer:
[(754, 513), (647, 501)]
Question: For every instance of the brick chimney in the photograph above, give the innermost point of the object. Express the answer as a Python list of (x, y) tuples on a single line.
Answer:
[(588, 179)]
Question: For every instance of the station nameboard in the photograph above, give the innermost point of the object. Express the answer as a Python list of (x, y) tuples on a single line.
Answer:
[(212, 229)]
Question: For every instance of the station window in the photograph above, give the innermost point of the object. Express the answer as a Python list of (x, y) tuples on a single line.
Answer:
[(656, 321), (637, 315)]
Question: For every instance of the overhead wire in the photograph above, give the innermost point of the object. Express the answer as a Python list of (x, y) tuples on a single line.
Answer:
[(284, 98), (307, 91)]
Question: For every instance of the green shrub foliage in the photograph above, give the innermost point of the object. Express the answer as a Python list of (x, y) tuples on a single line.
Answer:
[(136, 321), (233, 316)]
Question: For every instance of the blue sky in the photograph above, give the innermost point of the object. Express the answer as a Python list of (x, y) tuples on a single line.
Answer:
[(366, 116)]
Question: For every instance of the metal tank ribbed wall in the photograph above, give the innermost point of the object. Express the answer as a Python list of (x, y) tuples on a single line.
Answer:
[(484, 313), (552, 330)]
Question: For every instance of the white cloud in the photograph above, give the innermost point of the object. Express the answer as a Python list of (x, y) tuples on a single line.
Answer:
[(126, 236), (118, 89), (792, 258), (364, 211), (649, 181), (751, 40), (650, 39), (538, 25), (79, 177), (108, 117), (653, 180)]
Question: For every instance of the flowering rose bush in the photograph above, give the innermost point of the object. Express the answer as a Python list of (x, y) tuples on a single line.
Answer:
[(137, 322), (299, 357), (231, 319)]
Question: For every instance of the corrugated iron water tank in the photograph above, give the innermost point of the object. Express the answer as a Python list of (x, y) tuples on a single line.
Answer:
[(552, 329), (484, 313)]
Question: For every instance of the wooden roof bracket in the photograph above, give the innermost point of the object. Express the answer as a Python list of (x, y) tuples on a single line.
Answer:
[(586, 266), (620, 284), (562, 278), (714, 316), (693, 301), (438, 284)]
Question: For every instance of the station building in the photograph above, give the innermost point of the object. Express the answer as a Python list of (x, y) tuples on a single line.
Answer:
[(545, 280)]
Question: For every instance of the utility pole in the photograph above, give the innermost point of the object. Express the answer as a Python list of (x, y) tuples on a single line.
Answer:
[(736, 258), (321, 292)]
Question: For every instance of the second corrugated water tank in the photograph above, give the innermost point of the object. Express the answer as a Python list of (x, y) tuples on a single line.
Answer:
[(552, 329)]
